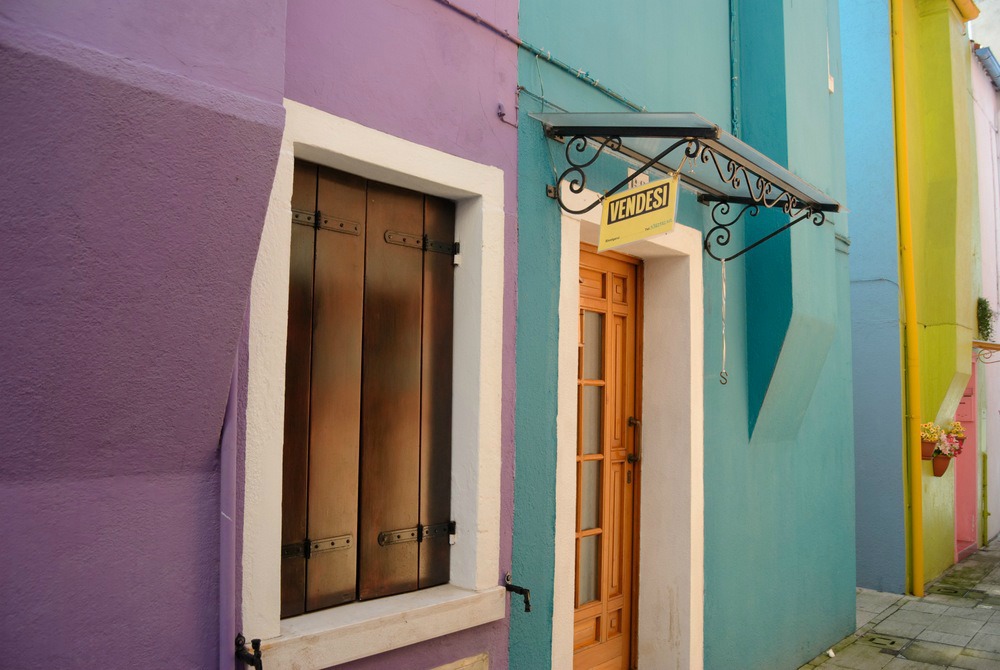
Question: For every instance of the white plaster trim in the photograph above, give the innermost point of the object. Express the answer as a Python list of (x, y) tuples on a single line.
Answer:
[(475, 558), (672, 540), (354, 631), (563, 586)]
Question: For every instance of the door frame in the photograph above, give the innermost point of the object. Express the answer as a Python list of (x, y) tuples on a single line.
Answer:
[(670, 554)]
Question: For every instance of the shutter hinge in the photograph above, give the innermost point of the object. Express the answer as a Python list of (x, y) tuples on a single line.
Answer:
[(304, 217), (318, 219), (416, 534), (306, 548), (425, 243), (440, 247)]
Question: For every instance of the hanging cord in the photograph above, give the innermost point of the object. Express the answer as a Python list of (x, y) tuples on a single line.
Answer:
[(723, 376)]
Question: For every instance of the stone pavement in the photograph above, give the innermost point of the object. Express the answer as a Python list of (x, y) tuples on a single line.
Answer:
[(956, 625)]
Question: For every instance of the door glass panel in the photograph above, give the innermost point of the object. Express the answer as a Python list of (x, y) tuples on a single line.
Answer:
[(593, 345), (589, 572), (593, 411), (590, 494)]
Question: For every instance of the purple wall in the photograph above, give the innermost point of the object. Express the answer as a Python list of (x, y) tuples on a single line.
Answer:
[(139, 148), (420, 71), (140, 141)]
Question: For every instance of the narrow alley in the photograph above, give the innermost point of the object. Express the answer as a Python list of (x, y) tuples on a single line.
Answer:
[(956, 625)]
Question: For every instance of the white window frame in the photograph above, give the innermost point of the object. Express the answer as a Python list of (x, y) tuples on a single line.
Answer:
[(672, 509), (473, 596)]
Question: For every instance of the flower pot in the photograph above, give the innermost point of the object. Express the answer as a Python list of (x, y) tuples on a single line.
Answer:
[(940, 464), (927, 449)]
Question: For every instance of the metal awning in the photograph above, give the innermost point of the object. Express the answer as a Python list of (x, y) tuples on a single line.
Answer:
[(720, 168)]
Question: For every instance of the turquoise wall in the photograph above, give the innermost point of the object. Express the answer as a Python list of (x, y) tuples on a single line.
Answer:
[(762, 123), (630, 52), (779, 517), (779, 533)]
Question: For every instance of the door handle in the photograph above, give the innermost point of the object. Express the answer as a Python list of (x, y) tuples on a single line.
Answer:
[(637, 424)]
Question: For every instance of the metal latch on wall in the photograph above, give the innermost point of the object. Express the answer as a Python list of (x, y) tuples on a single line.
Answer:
[(254, 659), (306, 548), (416, 534), (520, 590)]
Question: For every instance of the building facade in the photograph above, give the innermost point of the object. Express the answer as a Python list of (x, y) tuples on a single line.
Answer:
[(912, 185), (313, 344), (733, 479), (160, 316), (985, 109)]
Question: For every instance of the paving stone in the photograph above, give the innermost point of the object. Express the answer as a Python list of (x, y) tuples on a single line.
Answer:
[(977, 613), (931, 652), (847, 641), (882, 616), (915, 617), (956, 625), (921, 606), (863, 617), (900, 628), (944, 638), (959, 582), (865, 630), (991, 627), (973, 663), (978, 653), (952, 601), (859, 657), (874, 601), (903, 664), (985, 642)]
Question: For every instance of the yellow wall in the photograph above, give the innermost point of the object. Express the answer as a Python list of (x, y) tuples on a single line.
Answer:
[(943, 173)]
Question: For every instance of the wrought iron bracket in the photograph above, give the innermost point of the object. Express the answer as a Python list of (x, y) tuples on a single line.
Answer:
[(723, 219), (987, 351), (754, 190), (576, 155)]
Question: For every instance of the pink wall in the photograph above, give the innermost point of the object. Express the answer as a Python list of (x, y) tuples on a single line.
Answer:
[(985, 111), (966, 477)]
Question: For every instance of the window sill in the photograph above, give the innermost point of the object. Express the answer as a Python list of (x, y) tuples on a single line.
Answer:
[(346, 633)]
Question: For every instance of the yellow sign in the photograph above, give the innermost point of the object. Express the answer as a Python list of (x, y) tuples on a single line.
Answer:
[(639, 213)]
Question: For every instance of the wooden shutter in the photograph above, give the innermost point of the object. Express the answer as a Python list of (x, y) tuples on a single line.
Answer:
[(368, 392), (435, 435), (295, 481), (336, 381), (390, 437)]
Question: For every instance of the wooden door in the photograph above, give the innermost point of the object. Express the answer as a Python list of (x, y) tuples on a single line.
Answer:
[(606, 463)]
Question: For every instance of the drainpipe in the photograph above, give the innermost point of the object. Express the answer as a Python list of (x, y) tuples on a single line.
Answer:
[(908, 282)]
